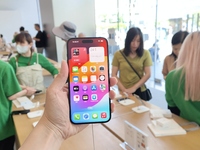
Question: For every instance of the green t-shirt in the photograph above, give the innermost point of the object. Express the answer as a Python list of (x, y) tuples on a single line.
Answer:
[(43, 61), (126, 74), (8, 86), (175, 94)]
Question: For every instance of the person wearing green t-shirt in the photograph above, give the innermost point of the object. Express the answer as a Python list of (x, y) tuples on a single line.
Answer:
[(28, 65), (183, 84), (170, 60), (140, 59), (9, 90)]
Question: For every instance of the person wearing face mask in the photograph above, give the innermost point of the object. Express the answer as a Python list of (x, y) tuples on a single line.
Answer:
[(169, 62), (28, 65)]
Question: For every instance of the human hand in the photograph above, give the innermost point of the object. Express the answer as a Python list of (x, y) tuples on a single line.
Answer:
[(56, 114), (30, 91), (127, 95), (130, 90)]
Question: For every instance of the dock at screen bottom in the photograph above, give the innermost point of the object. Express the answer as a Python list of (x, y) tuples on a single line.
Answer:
[(86, 117)]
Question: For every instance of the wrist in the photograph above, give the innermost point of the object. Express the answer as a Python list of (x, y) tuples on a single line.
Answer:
[(123, 89), (52, 129), (25, 92), (23, 87), (134, 88), (48, 137)]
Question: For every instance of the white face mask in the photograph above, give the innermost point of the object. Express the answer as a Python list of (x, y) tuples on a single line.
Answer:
[(22, 49)]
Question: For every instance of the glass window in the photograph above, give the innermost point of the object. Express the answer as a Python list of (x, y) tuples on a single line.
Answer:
[(158, 20)]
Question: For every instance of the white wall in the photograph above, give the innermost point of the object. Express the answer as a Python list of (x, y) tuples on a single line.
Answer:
[(80, 12), (26, 15), (6, 23)]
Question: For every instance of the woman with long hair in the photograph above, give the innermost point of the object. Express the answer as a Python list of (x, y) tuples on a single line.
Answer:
[(170, 60), (129, 81), (183, 83)]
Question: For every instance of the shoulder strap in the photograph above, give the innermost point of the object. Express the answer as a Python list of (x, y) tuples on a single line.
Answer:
[(16, 62), (129, 64)]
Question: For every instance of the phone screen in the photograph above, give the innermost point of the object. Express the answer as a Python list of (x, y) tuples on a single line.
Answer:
[(88, 80)]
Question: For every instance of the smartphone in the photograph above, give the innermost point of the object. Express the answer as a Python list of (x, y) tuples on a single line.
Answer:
[(38, 91), (88, 80)]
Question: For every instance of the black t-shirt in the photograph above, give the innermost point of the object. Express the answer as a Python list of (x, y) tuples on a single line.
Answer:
[(39, 44), (45, 38)]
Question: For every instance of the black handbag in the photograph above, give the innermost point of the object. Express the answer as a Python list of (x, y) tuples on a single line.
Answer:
[(145, 95)]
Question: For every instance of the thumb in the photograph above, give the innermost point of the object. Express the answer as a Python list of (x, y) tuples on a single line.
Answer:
[(61, 78)]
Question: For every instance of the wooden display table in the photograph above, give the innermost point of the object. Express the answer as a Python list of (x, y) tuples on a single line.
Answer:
[(103, 139), (140, 120), (4, 53)]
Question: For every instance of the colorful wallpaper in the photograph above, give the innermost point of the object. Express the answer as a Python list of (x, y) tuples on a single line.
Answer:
[(89, 81)]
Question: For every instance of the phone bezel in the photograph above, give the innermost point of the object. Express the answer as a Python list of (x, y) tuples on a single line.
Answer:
[(68, 49)]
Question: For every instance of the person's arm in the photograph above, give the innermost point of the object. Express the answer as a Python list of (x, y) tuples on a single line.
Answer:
[(115, 70), (147, 71), (44, 136), (44, 62), (54, 126), (30, 90), (114, 74), (26, 91), (168, 93), (36, 39), (19, 94), (165, 68)]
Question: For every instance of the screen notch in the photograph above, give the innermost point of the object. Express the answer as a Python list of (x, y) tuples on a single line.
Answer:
[(87, 41)]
